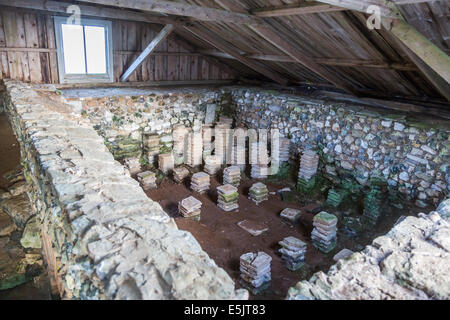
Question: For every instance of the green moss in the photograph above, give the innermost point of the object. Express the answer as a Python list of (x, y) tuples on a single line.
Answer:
[(14, 281)]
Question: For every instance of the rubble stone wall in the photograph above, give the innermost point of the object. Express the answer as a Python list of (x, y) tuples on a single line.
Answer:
[(126, 121), (412, 155), (412, 261), (109, 239)]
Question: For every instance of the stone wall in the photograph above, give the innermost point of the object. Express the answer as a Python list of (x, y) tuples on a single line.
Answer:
[(412, 261), (126, 121), (103, 237), (412, 155)]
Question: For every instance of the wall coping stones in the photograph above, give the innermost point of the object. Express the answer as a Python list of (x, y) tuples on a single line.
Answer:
[(412, 261), (112, 241)]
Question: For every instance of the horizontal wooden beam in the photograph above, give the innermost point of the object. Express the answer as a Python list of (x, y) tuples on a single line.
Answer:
[(128, 52), (387, 9), (326, 61), (163, 34), (226, 48), (157, 53), (303, 8), (264, 57), (91, 11), (16, 49), (139, 84), (180, 9)]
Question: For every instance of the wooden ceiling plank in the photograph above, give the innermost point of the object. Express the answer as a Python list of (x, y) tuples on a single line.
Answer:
[(180, 9), (214, 41), (273, 37), (303, 8)]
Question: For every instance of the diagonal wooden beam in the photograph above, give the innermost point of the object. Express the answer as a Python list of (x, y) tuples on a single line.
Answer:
[(180, 9), (433, 56), (440, 84), (302, 8), (151, 46), (423, 48), (224, 47)]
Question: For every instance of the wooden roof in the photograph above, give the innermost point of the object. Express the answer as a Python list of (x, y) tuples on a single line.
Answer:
[(336, 44)]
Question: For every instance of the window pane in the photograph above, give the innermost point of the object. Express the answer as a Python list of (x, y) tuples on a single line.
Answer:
[(73, 49), (95, 49)]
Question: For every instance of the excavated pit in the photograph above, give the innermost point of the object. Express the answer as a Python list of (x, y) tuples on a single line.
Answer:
[(224, 241), (119, 118)]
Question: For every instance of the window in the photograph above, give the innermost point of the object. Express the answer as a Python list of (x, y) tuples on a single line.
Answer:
[(84, 51)]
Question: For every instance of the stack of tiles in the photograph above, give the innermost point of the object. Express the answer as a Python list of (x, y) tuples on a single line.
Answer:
[(255, 271), (225, 121), (180, 173), (152, 147), (291, 216), (373, 202), (232, 175), (147, 180), (227, 197), (212, 165), (239, 156), (238, 151), (308, 169), (166, 162), (308, 165), (259, 192), (190, 208), (293, 253), (323, 235), (284, 149), (165, 143), (222, 140), (133, 165), (336, 197), (259, 160), (179, 134), (207, 140), (200, 182), (194, 149)]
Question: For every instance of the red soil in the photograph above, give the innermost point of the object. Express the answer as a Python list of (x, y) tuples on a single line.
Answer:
[(220, 236)]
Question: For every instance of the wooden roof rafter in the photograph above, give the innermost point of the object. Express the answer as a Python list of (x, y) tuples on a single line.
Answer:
[(427, 51)]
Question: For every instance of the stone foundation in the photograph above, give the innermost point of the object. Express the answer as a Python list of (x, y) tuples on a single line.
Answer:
[(104, 238), (125, 121), (411, 155), (412, 261)]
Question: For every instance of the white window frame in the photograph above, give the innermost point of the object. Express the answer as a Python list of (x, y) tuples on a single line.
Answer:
[(83, 78)]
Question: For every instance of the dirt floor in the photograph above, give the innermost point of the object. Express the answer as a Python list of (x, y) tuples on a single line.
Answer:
[(9, 150), (224, 241), (38, 288)]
